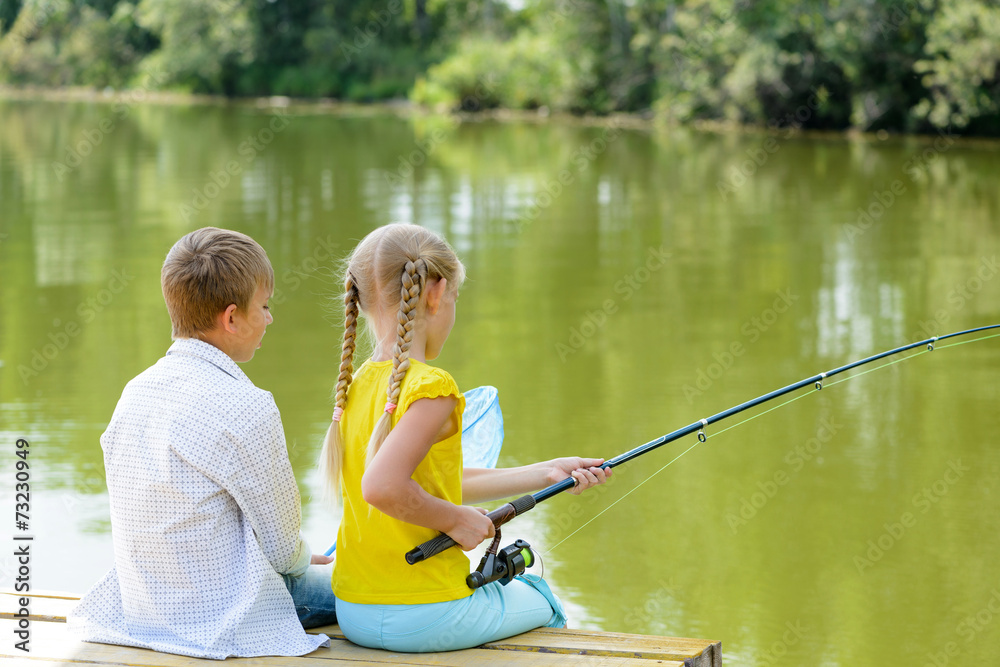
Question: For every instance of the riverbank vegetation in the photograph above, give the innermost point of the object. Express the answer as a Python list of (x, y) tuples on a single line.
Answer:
[(896, 65)]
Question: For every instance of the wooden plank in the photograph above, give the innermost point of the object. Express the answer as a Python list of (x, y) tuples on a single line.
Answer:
[(693, 652), (41, 594), (39, 662), (52, 642), (346, 651), (690, 652), (40, 608), (332, 631)]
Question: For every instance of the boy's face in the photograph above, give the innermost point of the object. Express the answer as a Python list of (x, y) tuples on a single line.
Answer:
[(251, 325)]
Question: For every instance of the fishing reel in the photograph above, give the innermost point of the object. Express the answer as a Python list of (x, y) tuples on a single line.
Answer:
[(502, 565)]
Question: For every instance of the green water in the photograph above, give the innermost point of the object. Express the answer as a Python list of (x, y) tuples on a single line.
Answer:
[(616, 292)]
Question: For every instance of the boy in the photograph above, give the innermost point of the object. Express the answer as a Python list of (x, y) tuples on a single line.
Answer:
[(204, 507)]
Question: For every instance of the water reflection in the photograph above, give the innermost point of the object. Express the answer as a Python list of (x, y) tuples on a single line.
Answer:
[(595, 347)]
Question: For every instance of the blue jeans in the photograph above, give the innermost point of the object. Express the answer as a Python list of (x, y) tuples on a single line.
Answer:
[(313, 596)]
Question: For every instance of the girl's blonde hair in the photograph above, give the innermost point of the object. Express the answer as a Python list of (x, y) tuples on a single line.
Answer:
[(387, 271)]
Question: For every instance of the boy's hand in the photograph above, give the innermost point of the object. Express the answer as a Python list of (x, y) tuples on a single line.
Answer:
[(585, 472), (320, 559), (472, 526)]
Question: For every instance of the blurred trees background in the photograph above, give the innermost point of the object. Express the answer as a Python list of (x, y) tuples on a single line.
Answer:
[(903, 65)]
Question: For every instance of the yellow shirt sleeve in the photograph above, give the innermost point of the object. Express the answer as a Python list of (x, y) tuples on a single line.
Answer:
[(434, 383)]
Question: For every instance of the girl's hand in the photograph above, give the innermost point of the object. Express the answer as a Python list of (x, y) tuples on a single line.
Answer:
[(585, 472), (320, 559), (471, 527)]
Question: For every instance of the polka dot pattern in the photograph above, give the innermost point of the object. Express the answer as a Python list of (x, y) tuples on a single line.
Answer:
[(205, 514)]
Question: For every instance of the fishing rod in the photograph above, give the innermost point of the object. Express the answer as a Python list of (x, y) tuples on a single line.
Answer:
[(519, 506)]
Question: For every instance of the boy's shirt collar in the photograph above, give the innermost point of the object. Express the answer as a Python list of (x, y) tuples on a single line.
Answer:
[(192, 347)]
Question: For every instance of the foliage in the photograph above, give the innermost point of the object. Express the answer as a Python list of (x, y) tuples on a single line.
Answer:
[(962, 68), (525, 72), (813, 64), (901, 65), (58, 43), (202, 43)]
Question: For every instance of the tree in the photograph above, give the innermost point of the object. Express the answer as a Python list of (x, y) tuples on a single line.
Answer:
[(202, 44), (962, 67)]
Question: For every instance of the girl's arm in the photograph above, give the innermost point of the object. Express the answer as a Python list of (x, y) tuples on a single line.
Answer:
[(482, 484), (388, 484)]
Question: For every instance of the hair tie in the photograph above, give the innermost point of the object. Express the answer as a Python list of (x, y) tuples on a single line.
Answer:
[(338, 412), (389, 407)]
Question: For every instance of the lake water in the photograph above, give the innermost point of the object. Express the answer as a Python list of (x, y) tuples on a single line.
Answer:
[(622, 284)]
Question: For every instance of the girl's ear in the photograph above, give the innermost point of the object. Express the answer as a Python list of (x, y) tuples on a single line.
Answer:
[(435, 292)]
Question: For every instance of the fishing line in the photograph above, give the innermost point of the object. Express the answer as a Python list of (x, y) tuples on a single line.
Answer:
[(963, 342), (525, 503), (696, 443), (752, 417), (624, 496)]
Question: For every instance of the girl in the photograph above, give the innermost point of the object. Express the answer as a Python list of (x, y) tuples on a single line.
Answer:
[(395, 449)]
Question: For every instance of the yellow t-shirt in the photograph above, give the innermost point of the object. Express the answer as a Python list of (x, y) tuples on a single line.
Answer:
[(371, 567)]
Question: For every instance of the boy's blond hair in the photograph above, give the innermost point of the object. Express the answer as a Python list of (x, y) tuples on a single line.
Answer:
[(205, 272)]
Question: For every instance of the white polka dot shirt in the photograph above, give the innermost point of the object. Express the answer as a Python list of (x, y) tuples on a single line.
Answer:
[(204, 516)]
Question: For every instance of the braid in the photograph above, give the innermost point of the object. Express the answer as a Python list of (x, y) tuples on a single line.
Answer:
[(350, 337), (332, 456), (409, 297), (412, 282)]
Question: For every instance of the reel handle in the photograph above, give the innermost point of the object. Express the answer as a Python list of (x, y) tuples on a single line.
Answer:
[(502, 566), (499, 517)]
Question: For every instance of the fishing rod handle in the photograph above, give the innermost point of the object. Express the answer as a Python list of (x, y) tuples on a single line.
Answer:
[(499, 517)]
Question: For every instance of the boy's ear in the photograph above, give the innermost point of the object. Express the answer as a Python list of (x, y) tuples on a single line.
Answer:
[(226, 320), (435, 292)]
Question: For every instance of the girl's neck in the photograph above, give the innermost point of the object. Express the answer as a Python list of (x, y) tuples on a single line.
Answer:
[(383, 350)]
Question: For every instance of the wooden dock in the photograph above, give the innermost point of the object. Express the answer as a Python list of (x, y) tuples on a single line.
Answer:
[(52, 644)]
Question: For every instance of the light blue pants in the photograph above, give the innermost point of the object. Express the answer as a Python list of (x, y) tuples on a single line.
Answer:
[(492, 612)]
